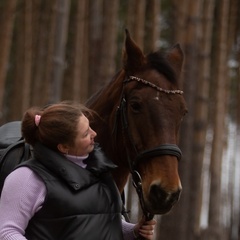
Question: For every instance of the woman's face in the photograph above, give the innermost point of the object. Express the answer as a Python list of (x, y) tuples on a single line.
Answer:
[(84, 142)]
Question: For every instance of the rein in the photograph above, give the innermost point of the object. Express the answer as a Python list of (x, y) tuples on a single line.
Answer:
[(163, 149)]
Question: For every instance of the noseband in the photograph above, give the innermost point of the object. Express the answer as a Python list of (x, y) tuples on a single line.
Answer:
[(163, 149)]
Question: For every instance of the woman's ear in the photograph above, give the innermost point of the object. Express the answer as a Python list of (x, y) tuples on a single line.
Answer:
[(63, 148)]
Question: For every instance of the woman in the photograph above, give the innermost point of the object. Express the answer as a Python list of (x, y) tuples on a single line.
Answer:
[(66, 191)]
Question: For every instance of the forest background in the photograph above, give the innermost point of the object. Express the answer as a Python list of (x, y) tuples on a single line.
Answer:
[(68, 49)]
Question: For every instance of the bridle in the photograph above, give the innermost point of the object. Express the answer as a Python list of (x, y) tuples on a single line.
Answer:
[(163, 149)]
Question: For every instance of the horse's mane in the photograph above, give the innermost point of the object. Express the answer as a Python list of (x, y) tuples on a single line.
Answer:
[(159, 62)]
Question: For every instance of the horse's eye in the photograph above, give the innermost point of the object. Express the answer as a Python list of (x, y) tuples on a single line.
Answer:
[(136, 107)]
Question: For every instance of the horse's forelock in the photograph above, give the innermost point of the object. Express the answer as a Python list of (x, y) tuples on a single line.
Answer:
[(159, 62)]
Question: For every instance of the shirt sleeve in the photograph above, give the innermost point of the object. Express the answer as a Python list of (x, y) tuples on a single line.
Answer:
[(22, 196), (127, 229)]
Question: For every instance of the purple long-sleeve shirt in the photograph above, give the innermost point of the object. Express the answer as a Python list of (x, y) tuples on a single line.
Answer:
[(23, 195)]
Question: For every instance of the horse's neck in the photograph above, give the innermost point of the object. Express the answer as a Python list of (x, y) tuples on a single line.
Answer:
[(120, 175), (105, 103)]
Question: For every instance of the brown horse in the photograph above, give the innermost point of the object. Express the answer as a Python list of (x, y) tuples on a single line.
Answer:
[(140, 112)]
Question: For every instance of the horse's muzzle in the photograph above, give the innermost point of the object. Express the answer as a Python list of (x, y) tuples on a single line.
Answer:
[(160, 201)]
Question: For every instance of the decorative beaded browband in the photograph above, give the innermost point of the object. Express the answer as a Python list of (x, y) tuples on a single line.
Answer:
[(130, 78)]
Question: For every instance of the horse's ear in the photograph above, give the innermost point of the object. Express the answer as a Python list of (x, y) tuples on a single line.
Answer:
[(133, 57), (176, 57)]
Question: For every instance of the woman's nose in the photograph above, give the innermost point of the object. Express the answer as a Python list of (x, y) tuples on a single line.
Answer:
[(94, 134)]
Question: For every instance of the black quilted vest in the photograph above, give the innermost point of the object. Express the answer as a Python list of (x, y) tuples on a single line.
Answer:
[(81, 204)]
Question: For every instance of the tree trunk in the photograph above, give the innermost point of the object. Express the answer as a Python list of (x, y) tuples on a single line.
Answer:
[(27, 68), (43, 41), (50, 46), (61, 32), (238, 133), (7, 22), (95, 37), (75, 83), (234, 181), (136, 19), (108, 48), (179, 19), (15, 79), (152, 26), (201, 116), (219, 120), (80, 73), (234, 11)]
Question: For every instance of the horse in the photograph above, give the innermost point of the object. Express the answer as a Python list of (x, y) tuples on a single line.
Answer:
[(139, 115)]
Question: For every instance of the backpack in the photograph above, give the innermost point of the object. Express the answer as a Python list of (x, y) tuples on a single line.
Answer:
[(13, 149)]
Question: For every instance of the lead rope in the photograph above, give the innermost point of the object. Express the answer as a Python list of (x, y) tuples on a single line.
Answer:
[(137, 183)]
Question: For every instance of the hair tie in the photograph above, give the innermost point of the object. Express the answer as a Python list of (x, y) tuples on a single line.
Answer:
[(37, 119)]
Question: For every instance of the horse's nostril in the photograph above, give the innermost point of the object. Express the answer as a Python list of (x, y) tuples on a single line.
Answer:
[(174, 197), (160, 195)]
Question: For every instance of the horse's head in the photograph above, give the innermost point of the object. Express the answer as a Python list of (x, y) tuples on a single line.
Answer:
[(140, 111), (151, 112)]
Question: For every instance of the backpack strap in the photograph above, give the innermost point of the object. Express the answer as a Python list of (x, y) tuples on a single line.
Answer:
[(12, 156), (13, 149)]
